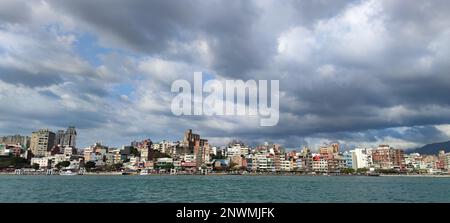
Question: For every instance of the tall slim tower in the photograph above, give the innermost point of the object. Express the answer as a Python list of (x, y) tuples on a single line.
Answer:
[(59, 137), (190, 140), (70, 137)]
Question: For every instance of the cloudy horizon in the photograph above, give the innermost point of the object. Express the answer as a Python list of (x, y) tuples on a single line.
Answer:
[(360, 73)]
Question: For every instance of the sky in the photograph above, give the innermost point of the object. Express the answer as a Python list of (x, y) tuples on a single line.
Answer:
[(360, 73)]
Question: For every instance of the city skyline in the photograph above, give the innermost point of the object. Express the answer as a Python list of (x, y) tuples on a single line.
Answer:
[(194, 155), (354, 72), (67, 138)]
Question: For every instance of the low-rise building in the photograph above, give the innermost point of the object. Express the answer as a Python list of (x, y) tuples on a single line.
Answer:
[(149, 165), (237, 161), (261, 162), (188, 158), (109, 158), (299, 164), (412, 161), (285, 165), (43, 162), (3, 150), (237, 150), (162, 161), (74, 164), (10, 149), (447, 157), (348, 159), (69, 151), (177, 164), (319, 164), (57, 158)]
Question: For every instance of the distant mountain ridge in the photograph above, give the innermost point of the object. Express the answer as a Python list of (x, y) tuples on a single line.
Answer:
[(432, 149)]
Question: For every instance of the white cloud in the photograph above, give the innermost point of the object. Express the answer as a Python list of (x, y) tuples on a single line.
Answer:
[(349, 68)]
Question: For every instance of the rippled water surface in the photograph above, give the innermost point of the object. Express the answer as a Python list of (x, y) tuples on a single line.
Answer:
[(298, 189)]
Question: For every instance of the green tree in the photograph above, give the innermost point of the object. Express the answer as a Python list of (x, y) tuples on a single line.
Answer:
[(348, 171), (387, 171), (218, 156), (89, 165), (117, 166), (13, 161), (62, 164), (361, 170), (35, 166), (157, 154), (166, 166), (135, 152)]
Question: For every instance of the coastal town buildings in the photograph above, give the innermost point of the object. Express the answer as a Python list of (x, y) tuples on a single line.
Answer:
[(24, 141), (10, 149), (194, 154)]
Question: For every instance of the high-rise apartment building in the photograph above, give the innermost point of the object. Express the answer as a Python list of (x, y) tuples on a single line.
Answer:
[(16, 139), (306, 158), (385, 157), (361, 158), (66, 138), (59, 137), (41, 142), (442, 160), (70, 137), (145, 149), (398, 158), (190, 140), (193, 144)]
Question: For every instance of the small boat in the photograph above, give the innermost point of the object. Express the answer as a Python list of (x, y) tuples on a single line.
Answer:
[(67, 173), (144, 172)]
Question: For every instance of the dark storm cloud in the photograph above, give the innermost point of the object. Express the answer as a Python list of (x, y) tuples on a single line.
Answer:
[(418, 134), (26, 78), (87, 87), (140, 25), (149, 27), (308, 12), (14, 12), (59, 117), (349, 70), (421, 15)]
